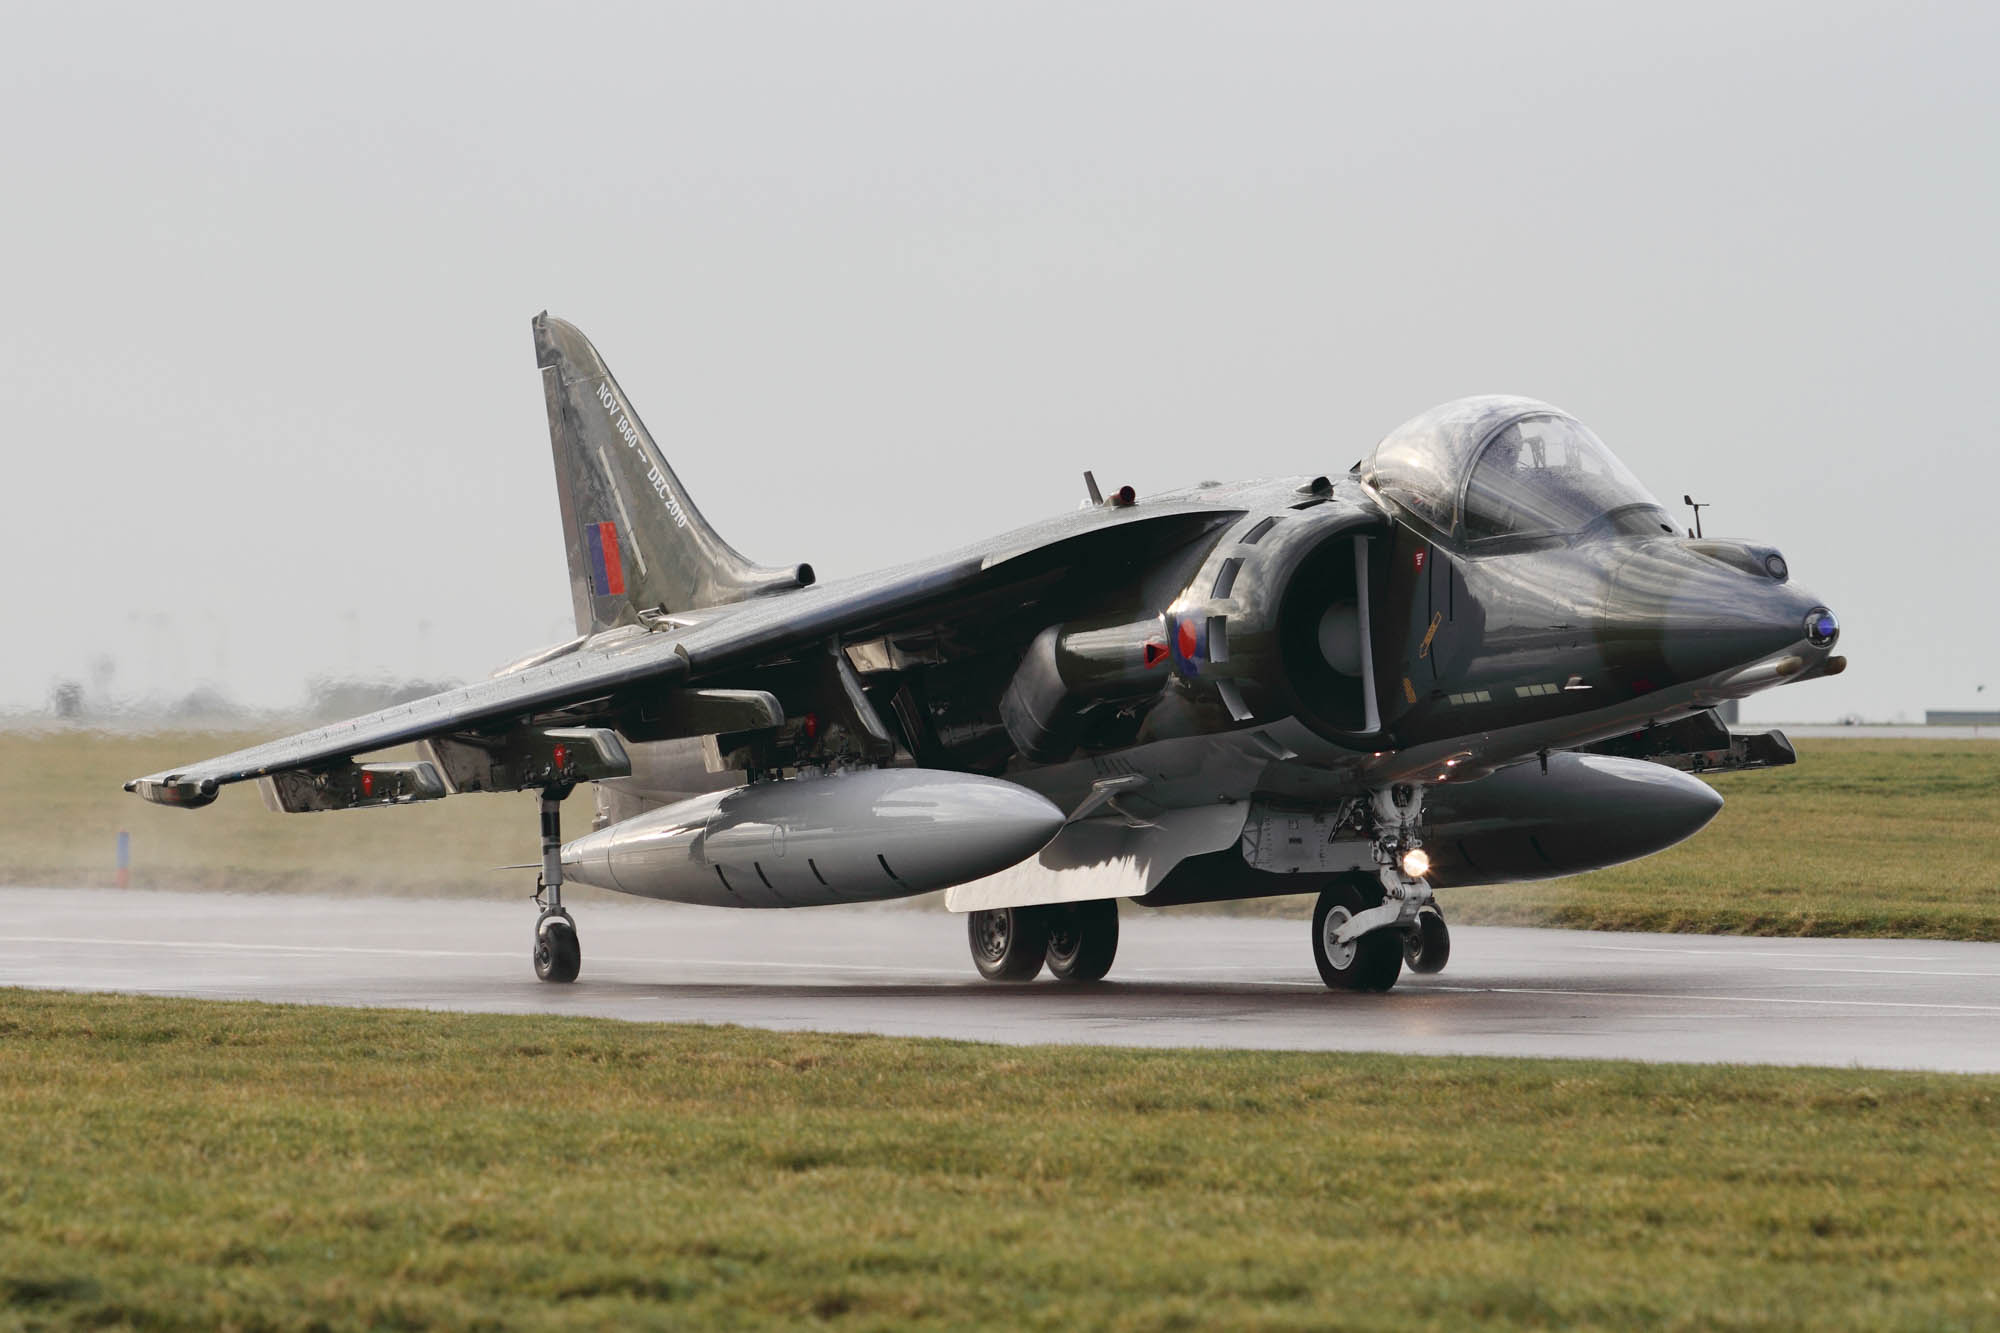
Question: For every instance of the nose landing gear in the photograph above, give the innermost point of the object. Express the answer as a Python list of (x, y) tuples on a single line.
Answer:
[(1370, 961), (1367, 926), (558, 956), (1427, 947)]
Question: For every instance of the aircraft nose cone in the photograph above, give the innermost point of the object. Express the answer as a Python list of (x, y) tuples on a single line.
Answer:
[(1715, 629), (1699, 617)]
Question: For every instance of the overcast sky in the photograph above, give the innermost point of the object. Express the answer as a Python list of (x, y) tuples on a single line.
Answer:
[(882, 278)]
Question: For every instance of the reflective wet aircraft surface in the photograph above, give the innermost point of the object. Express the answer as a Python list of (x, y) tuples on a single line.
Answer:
[(1482, 654)]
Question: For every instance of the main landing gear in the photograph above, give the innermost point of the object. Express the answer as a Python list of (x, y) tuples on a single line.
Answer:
[(1077, 941), (558, 955), (1366, 927)]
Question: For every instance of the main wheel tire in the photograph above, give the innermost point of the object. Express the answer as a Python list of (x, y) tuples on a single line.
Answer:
[(1083, 939), (1371, 963), (558, 954), (1009, 943), (1428, 948)]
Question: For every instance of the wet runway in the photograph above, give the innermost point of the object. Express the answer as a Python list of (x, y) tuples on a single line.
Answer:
[(1181, 980)]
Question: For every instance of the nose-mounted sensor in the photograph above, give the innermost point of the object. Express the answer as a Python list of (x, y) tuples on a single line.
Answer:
[(1822, 628)]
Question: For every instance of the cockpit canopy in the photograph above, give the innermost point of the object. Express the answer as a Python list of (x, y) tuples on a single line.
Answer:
[(1498, 467)]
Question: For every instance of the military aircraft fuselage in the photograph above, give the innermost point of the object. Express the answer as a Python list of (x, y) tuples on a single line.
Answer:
[(1535, 637), (1301, 639), (1227, 679), (1461, 661)]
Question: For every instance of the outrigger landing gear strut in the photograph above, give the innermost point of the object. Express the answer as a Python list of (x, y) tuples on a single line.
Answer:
[(558, 955)]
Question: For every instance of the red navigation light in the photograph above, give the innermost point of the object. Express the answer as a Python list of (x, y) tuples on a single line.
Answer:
[(562, 756), (1125, 497), (367, 783)]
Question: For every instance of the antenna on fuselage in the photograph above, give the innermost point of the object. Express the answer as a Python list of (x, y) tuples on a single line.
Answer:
[(1090, 484), (1688, 500)]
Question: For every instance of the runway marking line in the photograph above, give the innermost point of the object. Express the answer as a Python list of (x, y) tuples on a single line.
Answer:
[(1725, 999), (252, 948), (1753, 953), (459, 953), (856, 967), (1887, 971)]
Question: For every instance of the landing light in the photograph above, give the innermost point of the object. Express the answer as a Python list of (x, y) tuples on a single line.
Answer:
[(1416, 863)]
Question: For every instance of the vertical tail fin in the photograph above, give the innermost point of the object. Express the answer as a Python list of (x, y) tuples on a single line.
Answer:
[(635, 540)]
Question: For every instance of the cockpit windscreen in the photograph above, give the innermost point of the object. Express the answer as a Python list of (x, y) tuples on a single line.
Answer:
[(1548, 476)]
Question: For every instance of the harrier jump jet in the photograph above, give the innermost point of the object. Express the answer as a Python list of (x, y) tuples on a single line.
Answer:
[(1482, 654)]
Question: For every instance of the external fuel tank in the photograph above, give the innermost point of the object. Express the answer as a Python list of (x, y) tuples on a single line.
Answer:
[(856, 836)]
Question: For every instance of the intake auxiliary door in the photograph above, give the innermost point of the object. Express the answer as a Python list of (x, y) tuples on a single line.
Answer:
[(1404, 631), (1428, 627), (1425, 623)]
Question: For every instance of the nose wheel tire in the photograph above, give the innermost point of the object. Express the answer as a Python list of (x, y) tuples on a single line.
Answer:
[(558, 955), (1427, 948), (1370, 963), (1009, 943), (1083, 939)]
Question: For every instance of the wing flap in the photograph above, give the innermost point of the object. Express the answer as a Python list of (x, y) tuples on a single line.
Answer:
[(351, 787)]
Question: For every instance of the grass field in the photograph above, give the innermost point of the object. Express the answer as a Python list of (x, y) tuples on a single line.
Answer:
[(64, 794), (182, 1164), (1859, 838)]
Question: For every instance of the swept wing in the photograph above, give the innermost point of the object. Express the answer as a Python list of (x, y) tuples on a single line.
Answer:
[(950, 590)]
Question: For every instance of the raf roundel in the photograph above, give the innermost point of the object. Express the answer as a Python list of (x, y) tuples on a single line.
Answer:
[(1188, 644), (606, 568)]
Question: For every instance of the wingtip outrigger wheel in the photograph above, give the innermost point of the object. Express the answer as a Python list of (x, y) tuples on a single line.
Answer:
[(558, 955)]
